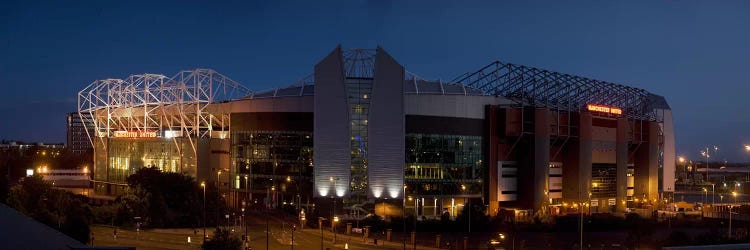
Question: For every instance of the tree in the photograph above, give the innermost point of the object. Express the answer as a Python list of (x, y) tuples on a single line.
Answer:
[(58, 209), (474, 211), (171, 199), (222, 240)]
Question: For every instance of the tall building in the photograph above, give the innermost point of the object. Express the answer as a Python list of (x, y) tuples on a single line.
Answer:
[(361, 133), (79, 126)]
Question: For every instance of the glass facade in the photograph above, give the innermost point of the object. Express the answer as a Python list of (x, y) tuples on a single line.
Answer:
[(443, 164), (126, 156), (359, 91), (604, 180), (278, 160)]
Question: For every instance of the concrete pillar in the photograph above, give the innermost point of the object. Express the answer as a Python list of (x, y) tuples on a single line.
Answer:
[(541, 157), (653, 160), (466, 242), (388, 233), (584, 156), (622, 163), (413, 237), (348, 228), (491, 153), (437, 241), (646, 169), (570, 171)]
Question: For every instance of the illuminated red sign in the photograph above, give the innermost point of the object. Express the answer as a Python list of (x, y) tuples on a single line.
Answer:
[(135, 134), (604, 109)]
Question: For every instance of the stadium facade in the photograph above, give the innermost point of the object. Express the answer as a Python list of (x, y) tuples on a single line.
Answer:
[(362, 130)]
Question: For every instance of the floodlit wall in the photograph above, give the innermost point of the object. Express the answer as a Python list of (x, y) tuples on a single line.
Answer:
[(385, 170), (332, 155)]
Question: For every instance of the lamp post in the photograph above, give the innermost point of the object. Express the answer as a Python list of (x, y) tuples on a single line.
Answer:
[(713, 194), (320, 225), (268, 197), (403, 219), (705, 196), (203, 185), (580, 212), (747, 149), (333, 211), (730, 214), (218, 196), (333, 227), (730, 221), (247, 190), (737, 186), (589, 207), (294, 228)]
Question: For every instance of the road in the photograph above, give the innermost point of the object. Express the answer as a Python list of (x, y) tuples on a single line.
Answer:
[(280, 237)]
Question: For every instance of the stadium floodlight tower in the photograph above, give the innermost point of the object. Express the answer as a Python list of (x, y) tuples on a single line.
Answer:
[(153, 105)]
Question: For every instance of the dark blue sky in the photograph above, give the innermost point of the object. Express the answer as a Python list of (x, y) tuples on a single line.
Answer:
[(696, 54)]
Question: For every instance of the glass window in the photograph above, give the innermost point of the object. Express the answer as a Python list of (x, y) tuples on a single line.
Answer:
[(447, 161)]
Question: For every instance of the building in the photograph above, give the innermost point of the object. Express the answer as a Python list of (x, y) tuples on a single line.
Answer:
[(77, 181), (78, 133), (22, 147), (361, 130)]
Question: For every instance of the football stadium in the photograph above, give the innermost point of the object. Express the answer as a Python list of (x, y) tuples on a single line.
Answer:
[(363, 135)]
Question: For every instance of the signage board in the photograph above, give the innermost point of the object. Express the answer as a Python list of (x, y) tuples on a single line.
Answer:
[(135, 134), (604, 109)]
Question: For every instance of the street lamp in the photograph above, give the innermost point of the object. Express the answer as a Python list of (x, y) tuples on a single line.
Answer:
[(218, 196), (730, 221), (730, 214), (747, 149), (246, 204), (580, 212), (333, 211), (590, 201), (333, 227), (713, 193), (705, 196), (203, 185), (706, 154), (403, 219), (218, 174), (294, 228)]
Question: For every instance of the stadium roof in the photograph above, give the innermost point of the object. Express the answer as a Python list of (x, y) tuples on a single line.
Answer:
[(526, 85), (543, 88)]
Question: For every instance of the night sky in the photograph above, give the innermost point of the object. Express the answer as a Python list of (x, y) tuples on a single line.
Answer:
[(696, 54)]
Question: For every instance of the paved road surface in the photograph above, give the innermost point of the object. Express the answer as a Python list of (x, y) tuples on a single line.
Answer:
[(279, 239)]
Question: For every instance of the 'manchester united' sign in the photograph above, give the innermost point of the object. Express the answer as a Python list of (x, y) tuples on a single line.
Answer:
[(604, 109), (135, 134)]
